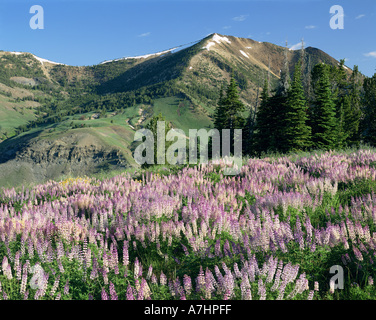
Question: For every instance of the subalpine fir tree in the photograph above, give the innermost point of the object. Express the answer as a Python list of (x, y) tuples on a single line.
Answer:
[(262, 134), (298, 133), (324, 124), (249, 141), (340, 87), (229, 111), (233, 107), (353, 116), (220, 112)]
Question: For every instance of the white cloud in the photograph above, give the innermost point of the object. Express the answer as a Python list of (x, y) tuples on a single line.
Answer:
[(240, 18), (144, 34), (310, 27), (360, 16), (226, 27), (371, 54), (297, 46)]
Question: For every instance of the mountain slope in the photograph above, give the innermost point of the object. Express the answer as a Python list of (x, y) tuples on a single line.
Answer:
[(57, 119)]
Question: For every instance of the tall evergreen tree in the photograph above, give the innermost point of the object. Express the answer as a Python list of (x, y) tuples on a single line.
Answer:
[(298, 133), (229, 111), (262, 137), (249, 142), (324, 125), (353, 116), (220, 112), (233, 107)]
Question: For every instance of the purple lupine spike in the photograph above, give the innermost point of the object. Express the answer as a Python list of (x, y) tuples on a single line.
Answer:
[(105, 276), (129, 294), (163, 279), (150, 272), (237, 271), (136, 268), (66, 287), (187, 283), (140, 293), (113, 292), (104, 294), (200, 280), (217, 248), (154, 279), (125, 253), (357, 253), (55, 285), (209, 283)]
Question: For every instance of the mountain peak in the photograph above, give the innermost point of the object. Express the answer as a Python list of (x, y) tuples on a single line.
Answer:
[(216, 38)]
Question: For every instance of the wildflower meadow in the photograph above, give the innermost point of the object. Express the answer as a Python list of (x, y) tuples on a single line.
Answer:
[(272, 232)]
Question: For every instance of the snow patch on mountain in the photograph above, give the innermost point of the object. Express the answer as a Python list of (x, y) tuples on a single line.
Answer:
[(244, 54), (216, 39), (41, 60), (141, 57), (220, 39), (207, 47)]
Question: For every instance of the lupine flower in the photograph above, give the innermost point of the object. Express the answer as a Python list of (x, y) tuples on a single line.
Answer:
[(104, 294), (357, 253), (187, 284), (125, 254), (136, 269), (154, 279), (24, 278), (55, 285), (150, 272), (129, 295), (66, 288), (112, 292), (145, 289), (163, 279)]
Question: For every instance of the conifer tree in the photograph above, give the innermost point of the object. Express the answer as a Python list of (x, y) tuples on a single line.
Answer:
[(353, 117), (298, 133), (229, 111), (262, 135), (249, 142), (220, 112), (233, 107), (324, 125)]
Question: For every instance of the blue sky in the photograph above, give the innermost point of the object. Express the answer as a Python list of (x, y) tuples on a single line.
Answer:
[(84, 32)]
